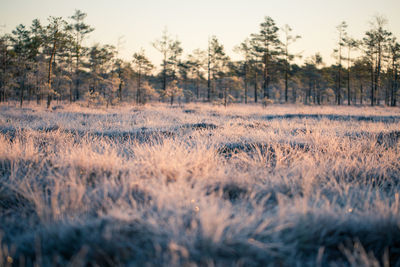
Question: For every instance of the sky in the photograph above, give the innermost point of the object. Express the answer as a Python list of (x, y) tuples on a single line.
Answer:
[(138, 23)]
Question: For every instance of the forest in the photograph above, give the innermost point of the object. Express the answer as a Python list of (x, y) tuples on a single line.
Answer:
[(49, 62)]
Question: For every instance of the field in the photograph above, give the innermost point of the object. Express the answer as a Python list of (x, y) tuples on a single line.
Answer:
[(200, 185)]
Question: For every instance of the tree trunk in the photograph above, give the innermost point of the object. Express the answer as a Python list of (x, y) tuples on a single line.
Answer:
[(308, 97), (294, 96), (396, 85), (70, 93), (49, 96), (255, 87), (21, 99), (120, 91), (138, 93), (3, 85), (164, 73), (225, 96), (266, 77), (387, 95), (209, 76), (372, 87), (245, 92), (338, 94), (377, 74), (77, 76), (197, 89), (339, 86), (77, 95), (29, 93), (286, 81), (245, 83), (314, 92), (348, 82), (393, 85)]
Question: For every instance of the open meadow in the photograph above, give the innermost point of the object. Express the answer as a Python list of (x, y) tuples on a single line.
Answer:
[(198, 184)]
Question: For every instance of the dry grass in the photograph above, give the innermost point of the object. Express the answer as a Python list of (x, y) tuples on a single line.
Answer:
[(200, 185)]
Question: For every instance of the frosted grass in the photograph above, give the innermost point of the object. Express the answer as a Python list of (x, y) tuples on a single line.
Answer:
[(199, 185)]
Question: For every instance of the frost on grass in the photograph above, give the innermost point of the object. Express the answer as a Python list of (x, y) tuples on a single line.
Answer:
[(199, 185)]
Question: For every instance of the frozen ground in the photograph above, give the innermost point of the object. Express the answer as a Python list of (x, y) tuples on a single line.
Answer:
[(200, 185)]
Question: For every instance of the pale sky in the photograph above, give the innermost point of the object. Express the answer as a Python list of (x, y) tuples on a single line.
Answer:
[(140, 22)]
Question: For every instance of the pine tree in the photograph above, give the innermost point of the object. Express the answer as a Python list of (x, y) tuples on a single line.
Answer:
[(350, 44), (196, 62), (216, 63), (394, 58), (374, 41), (101, 64), (6, 76), (288, 57), (56, 36), (80, 32), (20, 42), (341, 29), (142, 66), (171, 51), (267, 46), (36, 56), (246, 50)]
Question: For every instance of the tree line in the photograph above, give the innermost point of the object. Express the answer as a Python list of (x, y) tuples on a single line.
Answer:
[(49, 62)]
